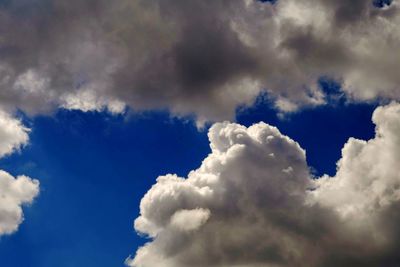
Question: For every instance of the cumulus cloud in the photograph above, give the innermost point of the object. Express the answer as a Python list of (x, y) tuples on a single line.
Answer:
[(253, 202), (365, 192), (197, 57), (14, 191)]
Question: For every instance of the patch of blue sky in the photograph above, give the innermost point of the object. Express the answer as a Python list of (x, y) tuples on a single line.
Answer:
[(94, 169), (321, 131), (382, 3)]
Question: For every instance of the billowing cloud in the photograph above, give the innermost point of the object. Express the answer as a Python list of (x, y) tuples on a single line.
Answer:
[(195, 57), (365, 193), (14, 191), (253, 202)]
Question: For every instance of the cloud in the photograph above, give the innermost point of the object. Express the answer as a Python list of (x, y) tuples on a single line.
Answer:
[(14, 191), (13, 134), (253, 186), (189, 220), (197, 57), (365, 192), (253, 202)]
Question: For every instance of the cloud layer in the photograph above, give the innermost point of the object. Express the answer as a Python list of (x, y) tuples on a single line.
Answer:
[(253, 202), (14, 191), (195, 57)]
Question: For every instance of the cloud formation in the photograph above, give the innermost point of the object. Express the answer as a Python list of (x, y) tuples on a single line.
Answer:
[(253, 202), (14, 191), (196, 57)]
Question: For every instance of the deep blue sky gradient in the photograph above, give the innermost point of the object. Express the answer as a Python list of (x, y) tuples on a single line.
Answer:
[(94, 168)]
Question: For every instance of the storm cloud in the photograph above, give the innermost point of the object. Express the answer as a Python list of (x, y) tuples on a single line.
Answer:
[(203, 58)]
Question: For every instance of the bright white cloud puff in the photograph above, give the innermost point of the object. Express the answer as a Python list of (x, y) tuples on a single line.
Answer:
[(253, 203), (14, 191), (196, 57)]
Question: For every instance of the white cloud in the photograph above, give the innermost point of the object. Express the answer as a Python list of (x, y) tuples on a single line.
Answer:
[(243, 185), (253, 202), (13, 134), (14, 191), (189, 220), (88, 100)]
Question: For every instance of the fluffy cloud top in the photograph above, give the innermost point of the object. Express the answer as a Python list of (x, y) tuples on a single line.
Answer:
[(193, 56), (253, 202), (14, 191)]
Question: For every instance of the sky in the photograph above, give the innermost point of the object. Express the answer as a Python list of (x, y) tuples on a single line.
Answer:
[(201, 133)]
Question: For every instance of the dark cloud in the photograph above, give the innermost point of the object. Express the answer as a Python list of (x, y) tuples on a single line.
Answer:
[(197, 57)]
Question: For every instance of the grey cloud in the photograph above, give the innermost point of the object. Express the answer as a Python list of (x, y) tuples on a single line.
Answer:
[(197, 57)]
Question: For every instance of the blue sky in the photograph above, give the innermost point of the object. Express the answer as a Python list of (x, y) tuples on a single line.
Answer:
[(94, 168)]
